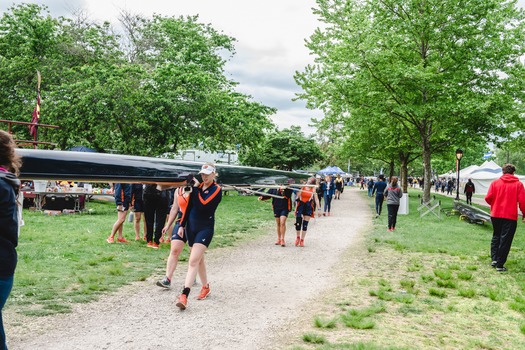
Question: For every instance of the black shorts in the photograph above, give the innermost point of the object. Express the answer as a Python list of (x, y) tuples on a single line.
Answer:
[(277, 213), (138, 206), (203, 236)]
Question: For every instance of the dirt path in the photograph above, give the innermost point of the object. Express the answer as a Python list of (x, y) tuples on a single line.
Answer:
[(258, 291)]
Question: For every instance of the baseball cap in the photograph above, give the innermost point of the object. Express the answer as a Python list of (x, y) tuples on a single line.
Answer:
[(207, 169)]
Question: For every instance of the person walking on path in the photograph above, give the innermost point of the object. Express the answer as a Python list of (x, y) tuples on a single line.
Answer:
[(328, 194), (469, 190), (123, 201), (504, 196), (370, 186), (379, 191), (200, 225), (281, 209), (393, 195), (9, 225), (179, 238), (338, 186), (305, 210)]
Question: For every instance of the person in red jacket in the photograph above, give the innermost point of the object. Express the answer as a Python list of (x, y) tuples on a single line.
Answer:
[(502, 197)]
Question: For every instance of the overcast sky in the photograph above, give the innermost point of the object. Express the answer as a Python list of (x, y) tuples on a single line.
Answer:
[(269, 49)]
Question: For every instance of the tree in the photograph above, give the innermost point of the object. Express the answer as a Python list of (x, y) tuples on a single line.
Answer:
[(163, 89), (288, 149), (443, 70)]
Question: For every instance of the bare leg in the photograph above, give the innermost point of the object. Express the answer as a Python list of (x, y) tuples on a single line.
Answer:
[(176, 248), (136, 224), (282, 227), (196, 256), (117, 226)]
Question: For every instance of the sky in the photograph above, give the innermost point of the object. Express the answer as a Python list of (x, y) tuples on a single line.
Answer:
[(270, 45)]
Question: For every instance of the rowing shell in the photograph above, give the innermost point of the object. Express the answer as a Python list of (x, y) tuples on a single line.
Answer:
[(105, 168)]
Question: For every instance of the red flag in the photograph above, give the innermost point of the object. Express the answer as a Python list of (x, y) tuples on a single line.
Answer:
[(36, 112), (34, 117)]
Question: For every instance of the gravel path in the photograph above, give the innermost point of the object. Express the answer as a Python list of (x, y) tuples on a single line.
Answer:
[(258, 291)]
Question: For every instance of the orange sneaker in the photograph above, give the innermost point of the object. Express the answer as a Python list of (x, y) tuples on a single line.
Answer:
[(297, 241), (152, 245), (301, 243), (122, 240), (161, 240), (137, 238), (110, 240), (182, 302), (283, 244), (205, 291), (168, 240), (277, 242)]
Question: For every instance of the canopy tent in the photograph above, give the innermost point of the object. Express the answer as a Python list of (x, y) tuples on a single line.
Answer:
[(331, 170)]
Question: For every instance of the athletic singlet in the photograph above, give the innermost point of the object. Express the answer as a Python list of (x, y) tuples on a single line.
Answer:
[(202, 206), (182, 201), (306, 194)]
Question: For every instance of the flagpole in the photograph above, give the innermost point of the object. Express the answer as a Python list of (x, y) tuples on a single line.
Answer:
[(36, 112)]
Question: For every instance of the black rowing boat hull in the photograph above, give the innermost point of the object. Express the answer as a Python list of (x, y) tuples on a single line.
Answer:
[(105, 168)]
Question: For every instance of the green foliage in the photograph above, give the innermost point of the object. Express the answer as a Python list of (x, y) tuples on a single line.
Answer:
[(322, 323), (167, 85), (287, 149), (314, 338), (421, 75), (361, 319)]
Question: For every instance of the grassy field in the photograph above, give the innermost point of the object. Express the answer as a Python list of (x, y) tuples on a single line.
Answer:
[(65, 259), (427, 285)]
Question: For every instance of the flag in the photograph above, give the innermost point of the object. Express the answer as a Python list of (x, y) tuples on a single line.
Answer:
[(36, 112)]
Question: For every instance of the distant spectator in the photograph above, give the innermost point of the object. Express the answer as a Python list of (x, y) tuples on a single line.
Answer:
[(393, 195), (156, 204), (379, 191), (469, 190)]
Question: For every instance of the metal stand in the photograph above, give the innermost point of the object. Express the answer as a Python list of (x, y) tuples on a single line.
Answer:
[(434, 207)]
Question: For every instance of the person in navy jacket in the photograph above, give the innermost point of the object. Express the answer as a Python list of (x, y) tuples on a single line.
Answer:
[(9, 185)]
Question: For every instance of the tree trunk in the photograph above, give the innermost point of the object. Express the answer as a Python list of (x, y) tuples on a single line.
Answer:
[(404, 171), (427, 175)]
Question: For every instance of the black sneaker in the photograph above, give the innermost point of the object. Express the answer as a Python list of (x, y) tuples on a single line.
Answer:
[(165, 283), (501, 269), (494, 263)]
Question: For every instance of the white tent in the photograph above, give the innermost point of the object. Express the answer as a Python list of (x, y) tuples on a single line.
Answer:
[(485, 174)]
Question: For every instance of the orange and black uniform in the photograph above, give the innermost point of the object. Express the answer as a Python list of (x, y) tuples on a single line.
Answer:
[(199, 220), (306, 204), (182, 202), (281, 206)]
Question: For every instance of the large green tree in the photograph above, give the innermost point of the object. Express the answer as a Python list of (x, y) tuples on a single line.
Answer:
[(443, 70), (287, 149), (158, 87)]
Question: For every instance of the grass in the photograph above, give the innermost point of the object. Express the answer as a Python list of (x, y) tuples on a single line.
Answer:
[(427, 285), (65, 259), (434, 281)]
